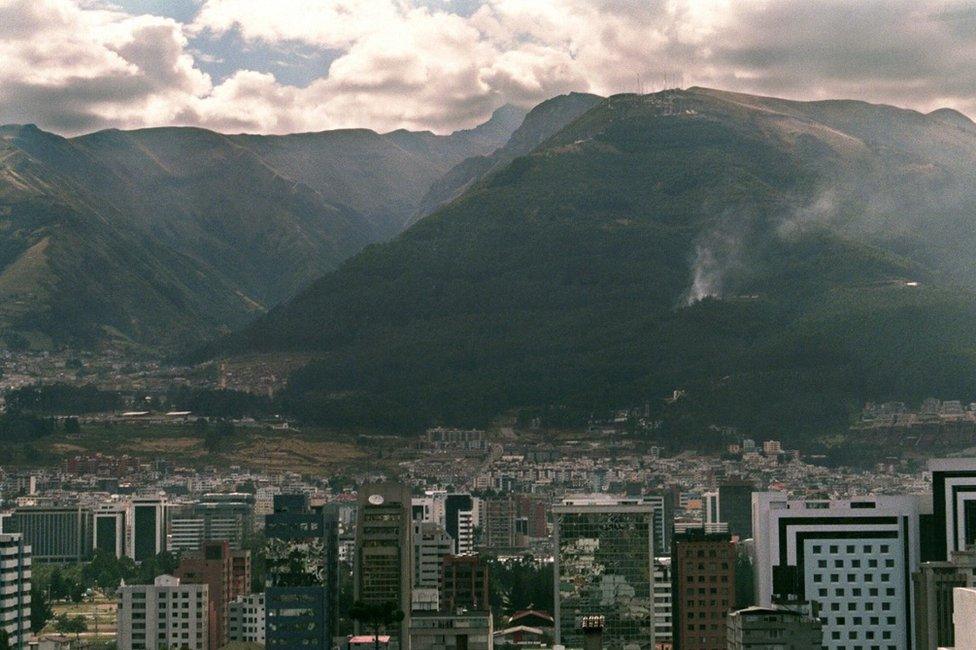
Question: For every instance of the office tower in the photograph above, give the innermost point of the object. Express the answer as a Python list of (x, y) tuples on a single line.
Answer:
[(464, 581), (302, 565), (735, 506), (163, 614), (452, 631), (663, 521), (604, 566), (212, 564), (662, 601), (933, 584), (109, 531), (240, 572), (533, 510), (773, 627), (459, 521), (850, 560), (498, 530), (383, 570), (216, 517), (55, 534), (15, 588), (710, 515), (431, 545), (703, 589), (246, 619), (953, 506), (148, 536)]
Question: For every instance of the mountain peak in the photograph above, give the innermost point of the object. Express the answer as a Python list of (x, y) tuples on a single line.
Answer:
[(952, 117)]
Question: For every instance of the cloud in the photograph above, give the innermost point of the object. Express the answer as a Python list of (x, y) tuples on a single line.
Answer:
[(73, 66)]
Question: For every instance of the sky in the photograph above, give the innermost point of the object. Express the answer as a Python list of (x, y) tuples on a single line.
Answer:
[(282, 66)]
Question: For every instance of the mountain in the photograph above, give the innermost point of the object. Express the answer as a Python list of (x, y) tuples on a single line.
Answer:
[(539, 125), (165, 237), (382, 176), (778, 261)]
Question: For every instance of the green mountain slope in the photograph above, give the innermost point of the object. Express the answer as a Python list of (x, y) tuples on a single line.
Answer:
[(749, 250), (168, 236), (539, 125)]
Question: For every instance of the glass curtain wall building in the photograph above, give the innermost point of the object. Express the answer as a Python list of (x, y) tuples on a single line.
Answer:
[(604, 566)]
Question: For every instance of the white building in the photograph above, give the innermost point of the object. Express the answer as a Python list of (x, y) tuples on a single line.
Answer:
[(165, 613), (853, 559), (246, 619), (15, 588), (662, 600), (964, 617), (710, 505), (430, 546)]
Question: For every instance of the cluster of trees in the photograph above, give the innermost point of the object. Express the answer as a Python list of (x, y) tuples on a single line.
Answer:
[(105, 572), (17, 426), (520, 583), (62, 398)]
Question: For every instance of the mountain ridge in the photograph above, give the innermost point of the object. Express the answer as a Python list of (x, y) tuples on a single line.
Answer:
[(213, 228), (682, 239)]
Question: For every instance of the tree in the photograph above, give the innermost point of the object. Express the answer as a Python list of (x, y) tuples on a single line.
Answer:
[(40, 612), (215, 439), (376, 616), (71, 625), (72, 426), (4, 639)]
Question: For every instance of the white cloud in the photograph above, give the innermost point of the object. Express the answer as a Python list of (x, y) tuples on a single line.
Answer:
[(416, 64)]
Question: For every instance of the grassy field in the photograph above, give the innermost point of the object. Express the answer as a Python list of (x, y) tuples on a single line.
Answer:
[(307, 451), (99, 616)]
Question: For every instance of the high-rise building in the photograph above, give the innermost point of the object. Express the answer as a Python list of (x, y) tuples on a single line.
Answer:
[(735, 506), (953, 506), (431, 545), (215, 517), (109, 530), (246, 619), (534, 511), (164, 614), (756, 628), (459, 521), (302, 565), (383, 569), (933, 584), (662, 601), (15, 589), (464, 584), (148, 533), (663, 521), (703, 589), (213, 565), (850, 560), (710, 514), (55, 534), (498, 527), (604, 566)]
